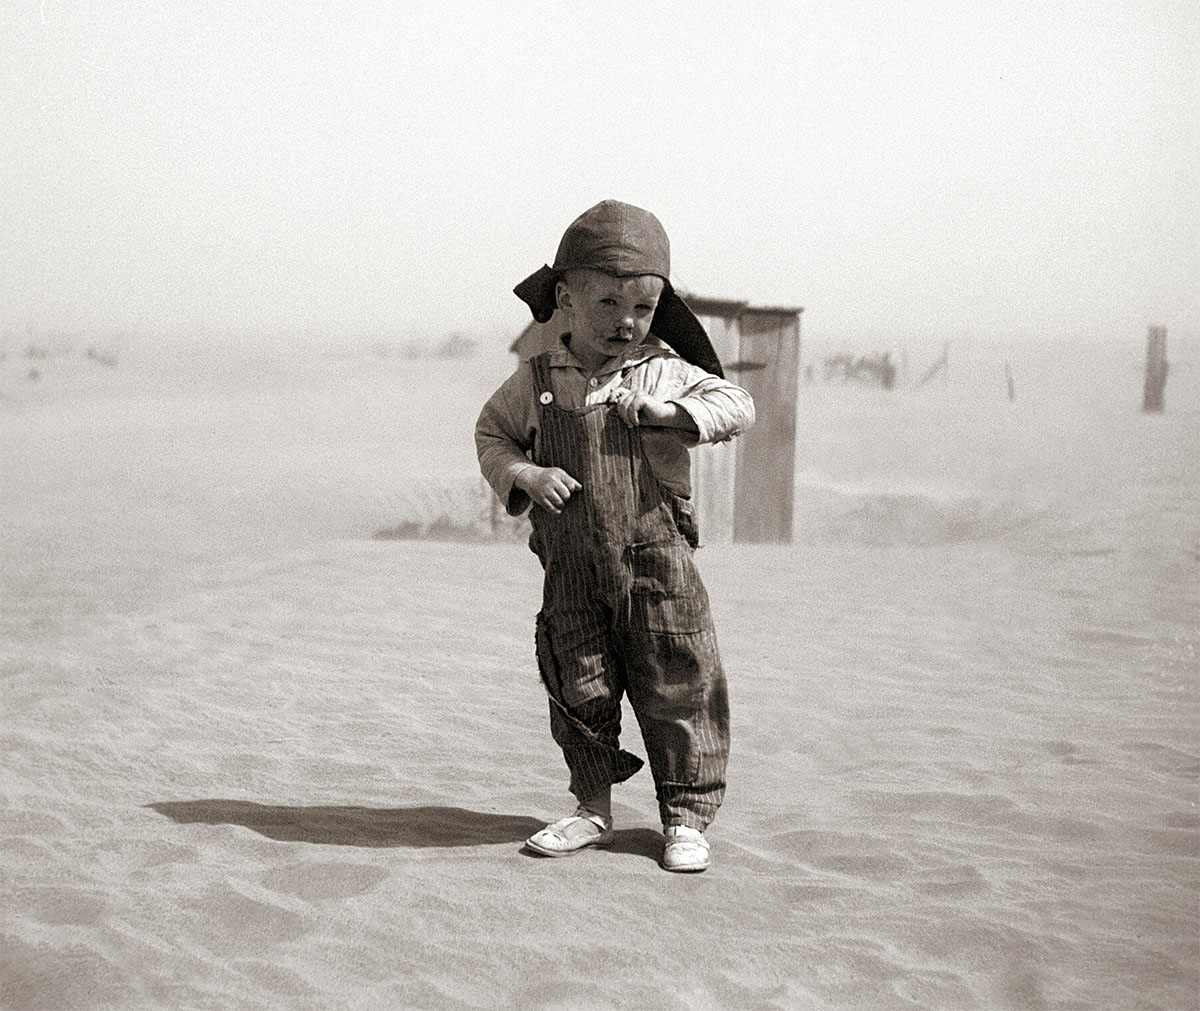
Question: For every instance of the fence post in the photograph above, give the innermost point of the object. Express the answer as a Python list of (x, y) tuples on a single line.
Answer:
[(1156, 369)]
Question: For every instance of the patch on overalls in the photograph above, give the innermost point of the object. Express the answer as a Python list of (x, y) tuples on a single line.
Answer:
[(547, 397)]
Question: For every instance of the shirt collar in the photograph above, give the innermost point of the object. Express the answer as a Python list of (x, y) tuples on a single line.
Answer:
[(562, 356)]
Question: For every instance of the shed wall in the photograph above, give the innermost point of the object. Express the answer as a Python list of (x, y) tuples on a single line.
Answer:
[(714, 467), (769, 370)]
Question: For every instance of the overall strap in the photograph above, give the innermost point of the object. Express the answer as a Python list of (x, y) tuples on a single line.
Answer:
[(629, 368), (540, 364)]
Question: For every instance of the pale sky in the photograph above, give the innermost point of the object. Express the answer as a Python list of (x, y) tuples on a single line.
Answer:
[(338, 170)]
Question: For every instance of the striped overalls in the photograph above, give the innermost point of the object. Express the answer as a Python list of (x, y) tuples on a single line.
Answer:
[(624, 610)]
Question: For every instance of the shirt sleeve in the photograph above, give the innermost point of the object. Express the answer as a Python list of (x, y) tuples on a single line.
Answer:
[(720, 409), (504, 435)]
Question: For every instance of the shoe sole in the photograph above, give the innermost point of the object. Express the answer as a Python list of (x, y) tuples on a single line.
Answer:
[(699, 862), (692, 869), (589, 844)]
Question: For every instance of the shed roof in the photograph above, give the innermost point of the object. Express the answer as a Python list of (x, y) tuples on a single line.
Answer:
[(728, 307), (731, 308), (777, 310)]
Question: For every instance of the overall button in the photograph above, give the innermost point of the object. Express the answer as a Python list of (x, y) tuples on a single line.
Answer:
[(593, 381)]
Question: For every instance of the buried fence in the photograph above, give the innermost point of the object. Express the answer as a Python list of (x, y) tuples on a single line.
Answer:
[(459, 508)]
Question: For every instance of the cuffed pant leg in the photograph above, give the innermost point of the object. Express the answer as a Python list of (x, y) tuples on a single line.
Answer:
[(585, 683), (593, 759)]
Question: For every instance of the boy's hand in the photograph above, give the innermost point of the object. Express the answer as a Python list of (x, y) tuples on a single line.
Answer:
[(549, 487), (637, 408)]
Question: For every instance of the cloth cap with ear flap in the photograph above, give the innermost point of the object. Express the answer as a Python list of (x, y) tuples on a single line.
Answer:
[(624, 241)]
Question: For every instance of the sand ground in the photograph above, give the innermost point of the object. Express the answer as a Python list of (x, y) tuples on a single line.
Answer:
[(256, 758)]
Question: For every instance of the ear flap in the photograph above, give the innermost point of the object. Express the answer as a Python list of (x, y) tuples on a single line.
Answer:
[(676, 325), (537, 291)]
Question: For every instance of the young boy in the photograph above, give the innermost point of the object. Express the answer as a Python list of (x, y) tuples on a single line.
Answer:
[(595, 434)]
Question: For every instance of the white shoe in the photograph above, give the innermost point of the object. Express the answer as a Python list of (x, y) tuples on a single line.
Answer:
[(686, 850), (571, 834)]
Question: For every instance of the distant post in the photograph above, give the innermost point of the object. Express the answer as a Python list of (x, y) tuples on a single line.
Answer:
[(942, 365), (1012, 389), (887, 371), (1156, 370)]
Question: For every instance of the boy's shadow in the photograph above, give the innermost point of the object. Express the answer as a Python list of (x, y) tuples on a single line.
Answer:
[(355, 826), (423, 826)]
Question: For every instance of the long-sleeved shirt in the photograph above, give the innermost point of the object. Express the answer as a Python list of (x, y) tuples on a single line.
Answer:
[(507, 430)]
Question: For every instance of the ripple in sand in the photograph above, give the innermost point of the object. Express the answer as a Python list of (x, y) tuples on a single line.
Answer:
[(1047, 827), (852, 854), (1175, 842), (279, 980), (933, 804), (23, 822), (1068, 751), (58, 977), (156, 853), (235, 923), (1164, 758), (56, 906), (315, 882), (1183, 819), (961, 879)]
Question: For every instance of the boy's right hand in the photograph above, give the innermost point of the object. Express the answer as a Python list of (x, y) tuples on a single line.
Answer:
[(549, 487)]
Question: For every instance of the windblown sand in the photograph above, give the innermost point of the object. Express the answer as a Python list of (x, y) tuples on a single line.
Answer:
[(256, 757)]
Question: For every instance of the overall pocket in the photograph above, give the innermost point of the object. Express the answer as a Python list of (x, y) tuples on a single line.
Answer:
[(684, 514), (667, 595)]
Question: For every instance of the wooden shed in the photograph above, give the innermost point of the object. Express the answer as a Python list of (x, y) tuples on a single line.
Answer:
[(742, 489)]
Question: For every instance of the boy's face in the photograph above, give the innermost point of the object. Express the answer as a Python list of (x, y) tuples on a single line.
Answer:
[(608, 315)]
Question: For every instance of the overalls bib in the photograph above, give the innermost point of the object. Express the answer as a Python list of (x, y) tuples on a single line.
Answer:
[(624, 610)]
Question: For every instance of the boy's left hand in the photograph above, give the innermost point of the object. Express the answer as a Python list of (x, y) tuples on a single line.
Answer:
[(637, 408)]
